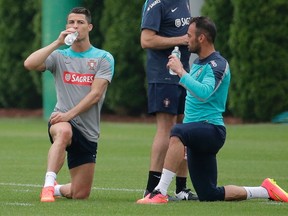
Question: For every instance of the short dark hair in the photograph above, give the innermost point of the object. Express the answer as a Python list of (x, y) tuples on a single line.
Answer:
[(206, 26), (82, 10)]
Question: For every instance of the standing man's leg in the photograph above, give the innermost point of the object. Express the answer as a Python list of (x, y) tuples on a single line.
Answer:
[(159, 148), (173, 160), (164, 123), (163, 101)]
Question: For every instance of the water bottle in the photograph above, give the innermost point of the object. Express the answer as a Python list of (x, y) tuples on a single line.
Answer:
[(176, 52), (70, 38)]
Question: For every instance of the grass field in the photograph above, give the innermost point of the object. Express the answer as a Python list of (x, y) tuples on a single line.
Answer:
[(251, 153)]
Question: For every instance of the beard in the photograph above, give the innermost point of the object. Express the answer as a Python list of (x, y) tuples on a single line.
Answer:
[(196, 48)]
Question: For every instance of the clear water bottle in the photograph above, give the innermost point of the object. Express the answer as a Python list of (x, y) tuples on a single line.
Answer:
[(176, 52), (70, 38)]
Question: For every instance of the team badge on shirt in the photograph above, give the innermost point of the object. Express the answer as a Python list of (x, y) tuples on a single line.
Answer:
[(91, 64), (198, 72), (213, 63)]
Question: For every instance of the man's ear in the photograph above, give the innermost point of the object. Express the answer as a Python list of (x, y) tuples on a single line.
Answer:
[(90, 27)]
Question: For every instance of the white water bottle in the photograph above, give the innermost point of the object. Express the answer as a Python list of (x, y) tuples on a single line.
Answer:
[(176, 52), (70, 38)]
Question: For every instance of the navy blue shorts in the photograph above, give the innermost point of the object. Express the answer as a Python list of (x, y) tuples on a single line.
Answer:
[(81, 150), (166, 98), (203, 141)]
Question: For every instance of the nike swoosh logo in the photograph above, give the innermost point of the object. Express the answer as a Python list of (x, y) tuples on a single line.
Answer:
[(173, 10), (157, 176)]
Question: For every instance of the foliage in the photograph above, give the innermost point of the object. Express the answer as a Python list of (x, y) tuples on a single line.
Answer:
[(18, 88), (221, 12), (120, 25), (251, 36), (96, 9), (259, 65)]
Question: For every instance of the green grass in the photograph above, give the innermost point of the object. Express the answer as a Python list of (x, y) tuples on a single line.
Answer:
[(251, 153)]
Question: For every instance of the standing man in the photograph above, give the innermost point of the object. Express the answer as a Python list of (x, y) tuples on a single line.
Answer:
[(203, 131), (82, 74), (164, 26)]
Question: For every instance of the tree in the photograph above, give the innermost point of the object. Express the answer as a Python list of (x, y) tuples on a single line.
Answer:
[(19, 89), (221, 12), (120, 25), (96, 8), (259, 65)]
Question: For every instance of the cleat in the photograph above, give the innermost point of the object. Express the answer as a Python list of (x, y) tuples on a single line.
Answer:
[(153, 198), (146, 192), (186, 194), (275, 192), (170, 198), (47, 194)]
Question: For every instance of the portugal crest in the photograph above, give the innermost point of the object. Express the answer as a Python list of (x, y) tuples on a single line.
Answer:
[(166, 102), (92, 64)]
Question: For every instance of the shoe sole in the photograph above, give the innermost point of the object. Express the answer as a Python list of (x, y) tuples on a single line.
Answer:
[(47, 200), (173, 199)]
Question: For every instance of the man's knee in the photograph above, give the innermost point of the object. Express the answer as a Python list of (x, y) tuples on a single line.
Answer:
[(61, 133), (210, 195), (73, 193), (81, 195)]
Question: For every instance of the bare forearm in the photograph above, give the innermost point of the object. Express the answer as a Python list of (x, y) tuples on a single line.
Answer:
[(36, 60), (99, 87), (158, 42), (151, 40), (84, 105)]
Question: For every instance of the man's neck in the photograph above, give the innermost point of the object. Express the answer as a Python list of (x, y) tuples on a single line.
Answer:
[(206, 51), (81, 46)]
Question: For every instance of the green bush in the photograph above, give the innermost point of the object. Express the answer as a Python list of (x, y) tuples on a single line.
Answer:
[(19, 29), (259, 65), (221, 12), (120, 25), (251, 36)]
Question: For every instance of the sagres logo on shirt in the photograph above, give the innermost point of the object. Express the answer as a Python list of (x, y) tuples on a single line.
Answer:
[(78, 79)]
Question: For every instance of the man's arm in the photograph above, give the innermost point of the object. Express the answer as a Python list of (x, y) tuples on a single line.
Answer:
[(36, 61), (151, 40), (98, 88)]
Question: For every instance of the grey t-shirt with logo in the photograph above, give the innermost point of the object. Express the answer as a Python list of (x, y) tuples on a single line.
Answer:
[(74, 73)]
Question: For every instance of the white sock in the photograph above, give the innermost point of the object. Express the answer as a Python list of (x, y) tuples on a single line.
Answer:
[(166, 179), (256, 192), (50, 179), (57, 190)]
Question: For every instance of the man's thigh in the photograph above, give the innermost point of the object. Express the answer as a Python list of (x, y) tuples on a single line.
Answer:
[(166, 98)]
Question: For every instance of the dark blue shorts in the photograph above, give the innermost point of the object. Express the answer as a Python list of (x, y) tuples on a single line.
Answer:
[(203, 141), (81, 150), (166, 98)]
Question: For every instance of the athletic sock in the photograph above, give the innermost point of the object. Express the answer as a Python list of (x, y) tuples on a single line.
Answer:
[(180, 184), (256, 192), (165, 181), (50, 179), (153, 180), (57, 190)]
